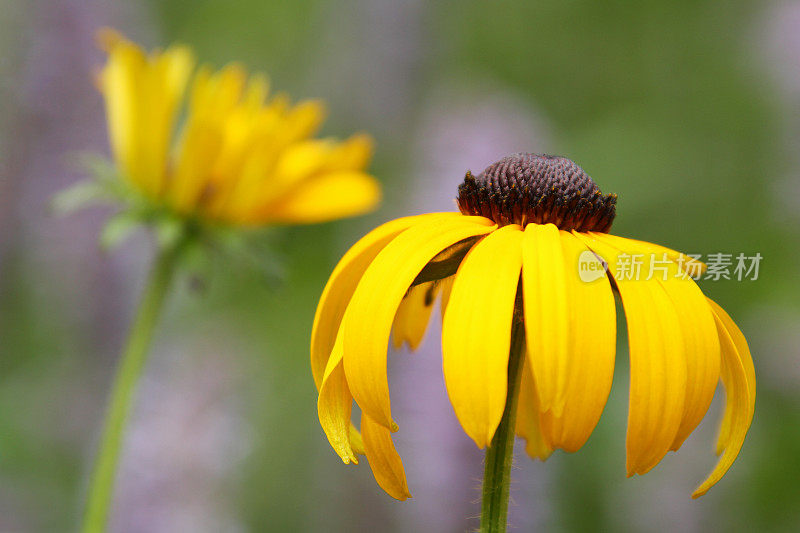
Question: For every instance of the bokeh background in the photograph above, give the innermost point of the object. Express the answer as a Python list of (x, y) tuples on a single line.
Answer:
[(687, 109)]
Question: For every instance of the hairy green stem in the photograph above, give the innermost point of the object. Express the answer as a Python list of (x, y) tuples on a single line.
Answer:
[(500, 453), (131, 364)]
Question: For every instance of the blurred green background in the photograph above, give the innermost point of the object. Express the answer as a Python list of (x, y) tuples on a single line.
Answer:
[(687, 109)]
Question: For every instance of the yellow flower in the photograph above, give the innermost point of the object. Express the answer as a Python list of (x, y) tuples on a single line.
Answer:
[(239, 157), (525, 248)]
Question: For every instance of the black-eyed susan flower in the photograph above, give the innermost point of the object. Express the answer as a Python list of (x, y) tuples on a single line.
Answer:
[(198, 154), (239, 157), (527, 274)]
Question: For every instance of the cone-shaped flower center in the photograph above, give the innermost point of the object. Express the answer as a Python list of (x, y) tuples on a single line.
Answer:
[(542, 189)]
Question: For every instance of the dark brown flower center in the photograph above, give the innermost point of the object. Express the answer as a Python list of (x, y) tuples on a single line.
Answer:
[(524, 188)]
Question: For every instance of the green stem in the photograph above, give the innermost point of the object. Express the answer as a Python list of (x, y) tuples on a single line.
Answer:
[(500, 453), (130, 368)]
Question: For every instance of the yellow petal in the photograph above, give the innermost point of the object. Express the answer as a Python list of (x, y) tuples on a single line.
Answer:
[(747, 362), (740, 393), (544, 289), (142, 94), (702, 346), (352, 154), (699, 334), (377, 297), (657, 365), (413, 315), (212, 139), (160, 99), (302, 159), (592, 344), (107, 38), (303, 120), (118, 81), (686, 263), (335, 404), (445, 287), (327, 197), (356, 441), (476, 334), (384, 461), (343, 282), (528, 425)]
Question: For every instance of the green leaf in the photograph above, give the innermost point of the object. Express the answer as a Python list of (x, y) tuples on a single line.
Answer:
[(104, 187), (118, 228), (80, 196)]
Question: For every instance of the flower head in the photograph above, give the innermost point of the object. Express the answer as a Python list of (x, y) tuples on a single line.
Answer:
[(516, 252), (239, 156)]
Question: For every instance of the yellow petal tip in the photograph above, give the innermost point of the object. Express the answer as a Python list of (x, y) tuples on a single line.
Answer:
[(697, 493), (404, 495), (347, 460), (107, 38)]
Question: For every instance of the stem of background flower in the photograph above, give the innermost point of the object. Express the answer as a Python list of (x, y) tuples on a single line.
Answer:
[(130, 368), (500, 453)]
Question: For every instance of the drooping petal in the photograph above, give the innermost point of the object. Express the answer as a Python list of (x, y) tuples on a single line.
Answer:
[(544, 289), (700, 338), (528, 424), (591, 348), (325, 198), (657, 364), (343, 282), (413, 315), (335, 404), (702, 346), (738, 377), (386, 465), (476, 334), (747, 362), (374, 304)]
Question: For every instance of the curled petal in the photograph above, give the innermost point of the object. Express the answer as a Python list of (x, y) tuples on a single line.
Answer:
[(375, 301), (738, 377), (343, 282), (386, 465), (335, 404)]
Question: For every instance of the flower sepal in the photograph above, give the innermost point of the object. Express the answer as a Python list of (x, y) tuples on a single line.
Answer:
[(206, 243), (103, 187)]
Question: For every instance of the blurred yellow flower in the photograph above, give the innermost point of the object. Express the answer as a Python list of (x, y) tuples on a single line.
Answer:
[(508, 271), (239, 157)]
